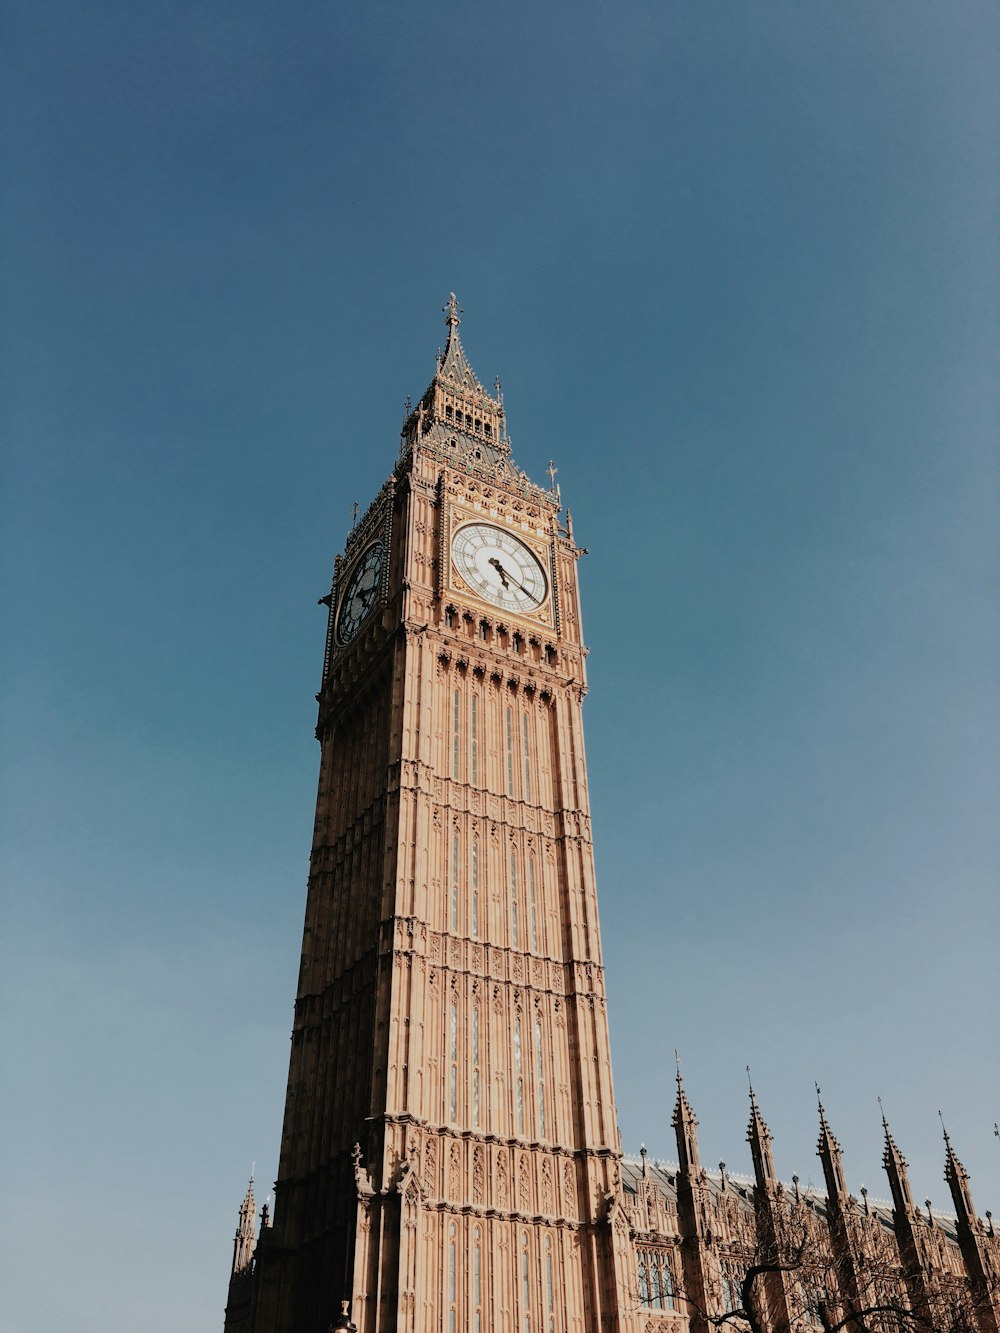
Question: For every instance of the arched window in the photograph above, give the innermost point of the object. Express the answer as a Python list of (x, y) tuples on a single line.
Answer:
[(513, 900), (452, 1280), (525, 1284), (453, 1061), (475, 1064), (540, 1062), (475, 886), (532, 905), (456, 735), (454, 880), (518, 1075), (477, 1281), (550, 1296), (474, 742)]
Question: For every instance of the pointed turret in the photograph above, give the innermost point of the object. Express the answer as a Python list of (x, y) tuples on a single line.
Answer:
[(958, 1182), (693, 1211), (972, 1241), (686, 1128), (759, 1138), (828, 1151), (243, 1245), (895, 1168)]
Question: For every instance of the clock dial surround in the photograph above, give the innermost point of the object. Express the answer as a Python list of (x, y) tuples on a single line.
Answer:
[(499, 567), (360, 595)]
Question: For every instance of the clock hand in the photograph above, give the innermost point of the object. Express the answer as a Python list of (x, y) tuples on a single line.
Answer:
[(500, 570), (527, 591)]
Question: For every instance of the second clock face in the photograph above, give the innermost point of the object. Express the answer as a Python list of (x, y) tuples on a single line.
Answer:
[(362, 590), (499, 567)]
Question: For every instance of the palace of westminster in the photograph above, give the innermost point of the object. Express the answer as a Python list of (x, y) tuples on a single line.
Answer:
[(450, 1159)]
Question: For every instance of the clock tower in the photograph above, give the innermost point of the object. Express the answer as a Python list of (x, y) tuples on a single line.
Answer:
[(449, 1157)]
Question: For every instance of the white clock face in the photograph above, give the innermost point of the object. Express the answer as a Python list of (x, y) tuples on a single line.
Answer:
[(499, 567), (362, 590)]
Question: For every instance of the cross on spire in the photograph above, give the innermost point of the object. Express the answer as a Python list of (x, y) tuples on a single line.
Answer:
[(453, 311)]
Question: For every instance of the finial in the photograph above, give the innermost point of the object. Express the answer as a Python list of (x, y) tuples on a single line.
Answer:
[(552, 470), (253, 1168), (864, 1195), (355, 508), (344, 1320), (499, 390), (677, 1062), (642, 1154), (944, 1131), (819, 1103), (885, 1123), (795, 1182), (753, 1099), (452, 311)]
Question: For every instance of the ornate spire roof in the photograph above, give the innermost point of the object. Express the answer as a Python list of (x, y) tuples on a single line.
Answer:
[(686, 1127), (454, 368), (958, 1181), (829, 1153), (457, 416), (759, 1138), (895, 1168), (243, 1246)]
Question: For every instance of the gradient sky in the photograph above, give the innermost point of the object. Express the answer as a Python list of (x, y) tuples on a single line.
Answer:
[(736, 264)]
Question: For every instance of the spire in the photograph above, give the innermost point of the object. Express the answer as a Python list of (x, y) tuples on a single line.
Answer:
[(828, 1150), (759, 1138), (243, 1246), (686, 1127), (454, 367), (895, 1168), (456, 415), (958, 1182)]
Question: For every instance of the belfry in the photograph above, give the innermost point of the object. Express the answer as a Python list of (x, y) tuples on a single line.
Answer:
[(450, 1159)]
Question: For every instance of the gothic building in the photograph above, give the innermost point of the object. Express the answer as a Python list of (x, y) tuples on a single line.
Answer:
[(450, 1158)]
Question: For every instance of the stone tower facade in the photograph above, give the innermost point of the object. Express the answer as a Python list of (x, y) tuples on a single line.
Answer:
[(450, 1140), (450, 1159)]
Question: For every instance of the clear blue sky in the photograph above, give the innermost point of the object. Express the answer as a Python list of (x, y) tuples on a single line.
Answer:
[(737, 266)]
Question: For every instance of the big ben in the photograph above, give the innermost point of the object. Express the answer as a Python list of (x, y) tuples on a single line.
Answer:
[(449, 1156)]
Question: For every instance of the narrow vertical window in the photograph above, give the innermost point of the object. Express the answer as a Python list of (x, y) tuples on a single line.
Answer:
[(532, 905), (518, 1075), (527, 757), (539, 1059), (513, 900), (474, 746), (550, 1296), (475, 1065), (475, 886), (452, 1279), (477, 1283), (453, 1060), (455, 732), (454, 880), (510, 752), (525, 1284)]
